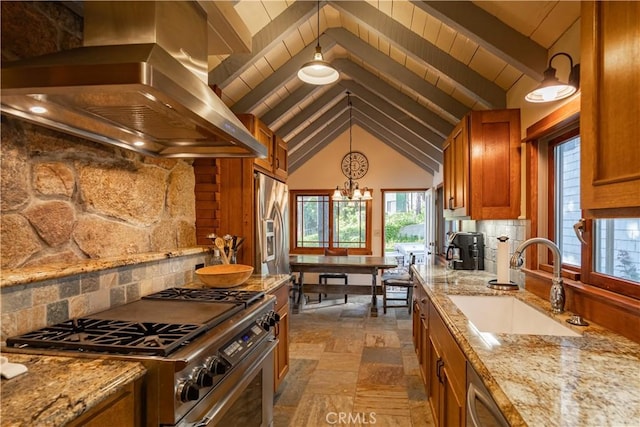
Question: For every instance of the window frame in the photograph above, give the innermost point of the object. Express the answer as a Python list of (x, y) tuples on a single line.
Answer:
[(293, 217), (558, 123)]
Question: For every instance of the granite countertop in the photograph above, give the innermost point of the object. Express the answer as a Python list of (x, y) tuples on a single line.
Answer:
[(257, 282), (56, 390), (590, 380)]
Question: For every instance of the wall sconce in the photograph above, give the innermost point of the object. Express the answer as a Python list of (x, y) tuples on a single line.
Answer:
[(552, 89)]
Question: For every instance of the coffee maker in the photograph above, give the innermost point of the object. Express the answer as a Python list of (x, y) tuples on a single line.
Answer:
[(465, 251)]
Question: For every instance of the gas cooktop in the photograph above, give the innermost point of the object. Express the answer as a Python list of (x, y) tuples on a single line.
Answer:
[(155, 325)]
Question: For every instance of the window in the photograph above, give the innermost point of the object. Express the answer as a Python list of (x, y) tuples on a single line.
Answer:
[(319, 222), (611, 257), (404, 223)]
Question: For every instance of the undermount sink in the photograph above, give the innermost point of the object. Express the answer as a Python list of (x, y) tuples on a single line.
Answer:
[(508, 315)]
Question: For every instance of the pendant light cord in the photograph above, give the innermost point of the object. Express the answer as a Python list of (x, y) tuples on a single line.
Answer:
[(350, 149), (318, 14)]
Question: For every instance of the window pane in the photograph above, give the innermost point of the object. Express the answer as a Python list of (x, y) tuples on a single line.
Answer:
[(350, 224), (312, 221), (567, 199), (617, 248)]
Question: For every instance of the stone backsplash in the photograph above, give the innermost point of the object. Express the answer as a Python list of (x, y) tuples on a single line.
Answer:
[(65, 199), (29, 304)]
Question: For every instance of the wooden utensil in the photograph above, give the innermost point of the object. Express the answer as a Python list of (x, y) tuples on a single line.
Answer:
[(220, 244)]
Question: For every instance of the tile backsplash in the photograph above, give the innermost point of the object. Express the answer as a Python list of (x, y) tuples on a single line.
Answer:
[(515, 230), (36, 304)]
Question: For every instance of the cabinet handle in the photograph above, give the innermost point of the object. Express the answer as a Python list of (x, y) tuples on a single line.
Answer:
[(439, 365), (450, 203), (278, 163), (423, 300)]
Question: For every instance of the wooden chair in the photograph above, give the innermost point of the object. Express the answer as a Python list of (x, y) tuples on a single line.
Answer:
[(324, 277), (401, 277)]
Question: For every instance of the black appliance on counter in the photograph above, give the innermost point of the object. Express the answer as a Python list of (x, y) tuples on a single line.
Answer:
[(208, 352), (465, 251)]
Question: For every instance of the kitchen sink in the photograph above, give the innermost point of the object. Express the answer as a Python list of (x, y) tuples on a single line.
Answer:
[(508, 315)]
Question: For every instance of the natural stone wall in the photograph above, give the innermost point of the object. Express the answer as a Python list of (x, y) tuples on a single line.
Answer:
[(65, 199)]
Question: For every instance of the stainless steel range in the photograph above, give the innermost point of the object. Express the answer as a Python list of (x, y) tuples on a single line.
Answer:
[(208, 352)]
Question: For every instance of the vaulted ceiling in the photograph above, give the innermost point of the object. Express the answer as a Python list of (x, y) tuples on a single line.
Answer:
[(414, 68)]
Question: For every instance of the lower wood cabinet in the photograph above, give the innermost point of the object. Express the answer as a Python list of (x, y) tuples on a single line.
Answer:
[(447, 369), (442, 363), (121, 409), (281, 359)]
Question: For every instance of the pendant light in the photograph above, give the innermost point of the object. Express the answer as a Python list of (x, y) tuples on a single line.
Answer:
[(552, 89), (351, 188), (318, 71)]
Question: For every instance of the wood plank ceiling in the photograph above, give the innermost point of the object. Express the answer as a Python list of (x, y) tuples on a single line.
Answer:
[(414, 67)]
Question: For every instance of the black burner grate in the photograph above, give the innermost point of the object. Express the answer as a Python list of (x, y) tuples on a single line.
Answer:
[(113, 336), (208, 295)]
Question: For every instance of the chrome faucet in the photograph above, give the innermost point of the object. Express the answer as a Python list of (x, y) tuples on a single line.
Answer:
[(556, 295)]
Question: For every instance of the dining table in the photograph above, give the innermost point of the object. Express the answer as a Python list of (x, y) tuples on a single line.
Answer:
[(351, 264)]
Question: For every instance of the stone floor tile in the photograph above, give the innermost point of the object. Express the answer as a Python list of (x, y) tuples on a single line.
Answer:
[(320, 409), (332, 382), (306, 351), (387, 356), (381, 339), (379, 374), (339, 362), (421, 415)]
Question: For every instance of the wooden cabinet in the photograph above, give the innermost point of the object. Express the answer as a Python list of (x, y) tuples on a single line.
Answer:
[(263, 134), (610, 85), (120, 409), (280, 165), (275, 164), (442, 363), (456, 170), (421, 331), (482, 166), (281, 359), (447, 374)]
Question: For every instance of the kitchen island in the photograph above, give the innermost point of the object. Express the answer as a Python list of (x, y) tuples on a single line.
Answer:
[(592, 379)]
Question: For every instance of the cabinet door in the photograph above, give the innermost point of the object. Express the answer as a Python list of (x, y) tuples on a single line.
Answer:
[(453, 405), (264, 135), (495, 164), (610, 107), (435, 386), (282, 350), (280, 166), (456, 171)]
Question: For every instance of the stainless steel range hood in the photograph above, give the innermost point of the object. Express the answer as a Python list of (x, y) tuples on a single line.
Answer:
[(139, 82)]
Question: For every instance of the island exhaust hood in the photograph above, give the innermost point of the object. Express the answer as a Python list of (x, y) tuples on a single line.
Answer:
[(138, 82)]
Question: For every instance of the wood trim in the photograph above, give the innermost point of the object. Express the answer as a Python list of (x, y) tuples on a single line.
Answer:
[(564, 115), (531, 188), (616, 312)]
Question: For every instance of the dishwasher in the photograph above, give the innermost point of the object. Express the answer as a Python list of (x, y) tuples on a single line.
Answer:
[(482, 411)]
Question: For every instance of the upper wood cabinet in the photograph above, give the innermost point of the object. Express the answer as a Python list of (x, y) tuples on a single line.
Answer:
[(280, 165), (610, 109), (275, 164), (263, 134), (482, 166)]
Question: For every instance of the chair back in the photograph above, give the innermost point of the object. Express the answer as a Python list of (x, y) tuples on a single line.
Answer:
[(336, 252)]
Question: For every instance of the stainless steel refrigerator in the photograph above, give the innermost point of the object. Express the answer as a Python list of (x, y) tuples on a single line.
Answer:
[(272, 225)]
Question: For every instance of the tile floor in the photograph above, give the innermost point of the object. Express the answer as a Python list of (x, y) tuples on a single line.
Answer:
[(348, 368)]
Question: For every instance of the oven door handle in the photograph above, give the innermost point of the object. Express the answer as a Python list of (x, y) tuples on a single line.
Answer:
[(256, 365)]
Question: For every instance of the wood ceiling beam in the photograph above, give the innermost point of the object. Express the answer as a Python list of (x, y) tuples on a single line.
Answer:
[(492, 34), (326, 99), (288, 104), (392, 134), (462, 77), (317, 125), (337, 125), (393, 70), (262, 42), (399, 130), (399, 145), (396, 114)]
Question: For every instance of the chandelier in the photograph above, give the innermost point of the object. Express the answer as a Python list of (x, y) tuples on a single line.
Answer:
[(354, 166)]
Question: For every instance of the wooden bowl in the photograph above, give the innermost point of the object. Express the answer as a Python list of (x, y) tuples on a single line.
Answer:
[(224, 275)]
